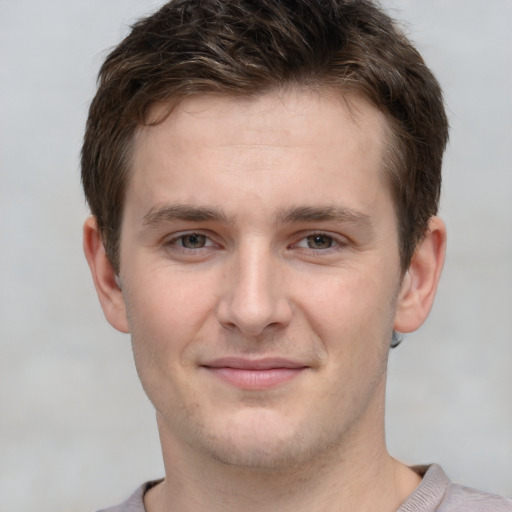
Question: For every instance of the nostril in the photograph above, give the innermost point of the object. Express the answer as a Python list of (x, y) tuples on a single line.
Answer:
[(253, 319)]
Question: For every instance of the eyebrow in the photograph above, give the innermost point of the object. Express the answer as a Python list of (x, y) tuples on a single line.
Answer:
[(324, 214), (173, 212)]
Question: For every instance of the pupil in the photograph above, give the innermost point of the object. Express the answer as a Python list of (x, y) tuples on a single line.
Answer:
[(194, 241), (319, 241)]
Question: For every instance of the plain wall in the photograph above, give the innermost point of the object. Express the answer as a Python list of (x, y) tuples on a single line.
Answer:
[(76, 431)]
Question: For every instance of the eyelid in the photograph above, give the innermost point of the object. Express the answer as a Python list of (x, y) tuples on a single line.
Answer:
[(338, 240), (171, 240)]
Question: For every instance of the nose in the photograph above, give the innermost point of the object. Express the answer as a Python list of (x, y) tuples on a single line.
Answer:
[(254, 298)]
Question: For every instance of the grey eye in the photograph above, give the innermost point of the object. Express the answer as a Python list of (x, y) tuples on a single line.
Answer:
[(319, 241), (193, 241)]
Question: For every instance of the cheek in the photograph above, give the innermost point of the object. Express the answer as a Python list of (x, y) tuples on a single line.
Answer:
[(165, 314), (352, 319), (351, 301), (164, 322)]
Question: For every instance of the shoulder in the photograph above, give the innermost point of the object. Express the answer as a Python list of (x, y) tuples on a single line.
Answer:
[(459, 498), (135, 503), (437, 493)]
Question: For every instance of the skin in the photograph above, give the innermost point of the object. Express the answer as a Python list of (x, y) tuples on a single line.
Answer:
[(260, 281)]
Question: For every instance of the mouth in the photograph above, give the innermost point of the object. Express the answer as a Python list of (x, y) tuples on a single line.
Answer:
[(257, 374)]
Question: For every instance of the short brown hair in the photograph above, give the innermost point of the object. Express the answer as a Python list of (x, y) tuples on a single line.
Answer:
[(247, 47)]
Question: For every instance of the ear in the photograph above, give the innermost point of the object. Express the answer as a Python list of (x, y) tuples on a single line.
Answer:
[(419, 284), (105, 280)]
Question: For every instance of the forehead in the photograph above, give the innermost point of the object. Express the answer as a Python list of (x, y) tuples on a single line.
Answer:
[(272, 108), (269, 143)]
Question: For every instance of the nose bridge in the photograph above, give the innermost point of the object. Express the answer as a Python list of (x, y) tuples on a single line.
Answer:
[(254, 298)]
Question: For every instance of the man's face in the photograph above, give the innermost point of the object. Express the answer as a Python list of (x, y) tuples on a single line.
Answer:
[(260, 271)]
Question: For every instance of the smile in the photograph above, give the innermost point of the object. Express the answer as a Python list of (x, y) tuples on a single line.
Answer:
[(255, 374)]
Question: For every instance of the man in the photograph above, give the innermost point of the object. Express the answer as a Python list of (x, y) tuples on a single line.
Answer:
[(263, 179)]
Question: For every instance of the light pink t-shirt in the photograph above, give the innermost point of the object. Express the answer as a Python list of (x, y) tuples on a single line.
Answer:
[(436, 493)]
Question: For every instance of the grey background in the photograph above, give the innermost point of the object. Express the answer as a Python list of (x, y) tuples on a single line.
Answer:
[(76, 431)]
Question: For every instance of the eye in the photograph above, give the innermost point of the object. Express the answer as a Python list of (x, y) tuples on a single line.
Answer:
[(191, 246), (318, 241), (191, 241)]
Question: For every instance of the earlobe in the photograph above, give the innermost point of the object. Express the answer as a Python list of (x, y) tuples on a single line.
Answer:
[(419, 284), (106, 282)]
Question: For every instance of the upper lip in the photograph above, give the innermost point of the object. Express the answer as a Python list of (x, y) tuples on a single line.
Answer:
[(266, 363)]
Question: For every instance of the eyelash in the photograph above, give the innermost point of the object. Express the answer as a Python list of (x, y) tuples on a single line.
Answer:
[(177, 242), (333, 242)]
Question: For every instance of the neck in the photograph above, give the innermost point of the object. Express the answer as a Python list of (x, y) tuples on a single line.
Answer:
[(352, 477)]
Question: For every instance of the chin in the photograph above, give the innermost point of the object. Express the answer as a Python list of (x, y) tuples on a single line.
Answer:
[(261, 442)]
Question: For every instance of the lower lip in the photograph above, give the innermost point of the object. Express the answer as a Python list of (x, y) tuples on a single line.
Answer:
[(255, 379)]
